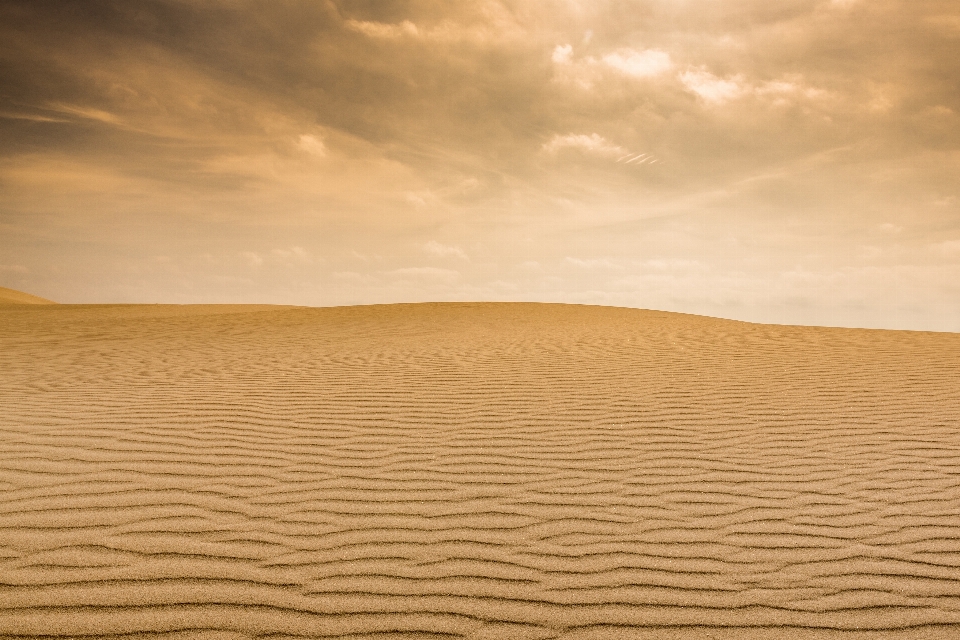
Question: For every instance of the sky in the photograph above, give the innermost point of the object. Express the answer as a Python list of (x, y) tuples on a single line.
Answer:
[(793, 162)]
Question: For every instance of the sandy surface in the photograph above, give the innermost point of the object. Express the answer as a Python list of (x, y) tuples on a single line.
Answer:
[(473, 470), (12, 296)]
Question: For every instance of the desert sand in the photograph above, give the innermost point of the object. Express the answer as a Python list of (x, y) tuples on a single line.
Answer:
[(12, 296), (473, 470)]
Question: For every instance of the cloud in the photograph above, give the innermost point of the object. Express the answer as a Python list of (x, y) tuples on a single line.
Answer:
[(639, 64), (589, 72), (711, 88), (35, 117), (593, 263), (89, 113), (638, 158), (312, 145), (948, 249), (354, 277), (252, 258), (562, 54), (716, 90), (481, 23), (593, 143), (383, 30), (442, 250), (674, 264), (430, 274), (596, 145), (328, 125), (297, 255)]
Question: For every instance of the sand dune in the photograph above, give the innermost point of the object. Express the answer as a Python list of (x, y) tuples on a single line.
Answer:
[(473, 470), (12, 296)]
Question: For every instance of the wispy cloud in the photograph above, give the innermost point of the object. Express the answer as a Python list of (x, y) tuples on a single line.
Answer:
[(592, 143), (711, 88), (384, 30), (638, 158), (34, 117), (562, 54), (639, 64), (430, 274), (90, 113), (593, 263), (444, 250), (312, 145), (293, 255), (252, 258)]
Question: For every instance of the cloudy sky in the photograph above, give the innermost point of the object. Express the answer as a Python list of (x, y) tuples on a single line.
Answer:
[(795, 161)]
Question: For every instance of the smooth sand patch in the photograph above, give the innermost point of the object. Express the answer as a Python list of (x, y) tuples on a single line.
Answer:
[(12, 296), (473, 470)]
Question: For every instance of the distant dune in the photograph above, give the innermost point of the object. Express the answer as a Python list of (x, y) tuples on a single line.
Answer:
[(473, 470), (11, 296)]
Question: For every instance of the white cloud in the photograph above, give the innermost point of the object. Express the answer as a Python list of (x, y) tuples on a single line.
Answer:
[(712, 88), (86, 112), (639, 64), (593, 263), (466, 185), (948, 249), (531, 265), (30, 116), (717, 90), (353, 276), (442, 250), (638, 158), (253, 259), (382, 29), (587, 72), (562, 54), (779, 86), (312, 145), (594, 144), (294, 254), (424, 273), (499, 25), (674, 264), (793, 87), (939, 110), (418, 199)]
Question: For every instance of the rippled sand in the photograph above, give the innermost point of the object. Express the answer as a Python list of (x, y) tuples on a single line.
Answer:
[(473, 470)]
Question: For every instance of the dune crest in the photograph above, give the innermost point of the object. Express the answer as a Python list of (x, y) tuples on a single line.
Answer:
[(12, 296), (476, 471)]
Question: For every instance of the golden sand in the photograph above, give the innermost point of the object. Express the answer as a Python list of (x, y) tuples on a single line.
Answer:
[(473, 470), (12, 296)]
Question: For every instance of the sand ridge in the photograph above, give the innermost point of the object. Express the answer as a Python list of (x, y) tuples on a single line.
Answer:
[(473, 470), (12, 296)]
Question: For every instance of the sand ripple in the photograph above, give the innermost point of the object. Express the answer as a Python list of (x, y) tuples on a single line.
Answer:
[(473, 470)]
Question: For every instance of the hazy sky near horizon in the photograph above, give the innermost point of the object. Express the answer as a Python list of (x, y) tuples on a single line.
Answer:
[(795, 161)]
